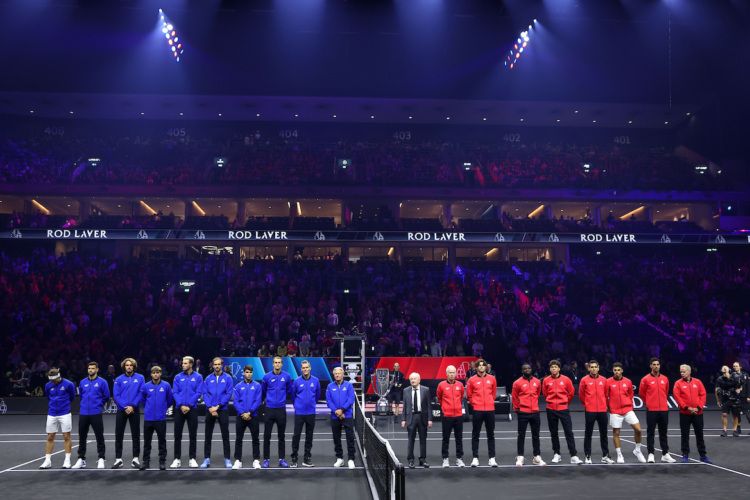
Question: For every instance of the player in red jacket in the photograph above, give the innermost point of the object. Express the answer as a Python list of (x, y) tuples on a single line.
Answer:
[(691, 398), (654, 391), (525, 398), (558, 392), (481, 391), (450, 396), (592, 392), (620, 402)]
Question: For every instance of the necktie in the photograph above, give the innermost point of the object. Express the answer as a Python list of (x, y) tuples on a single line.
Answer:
[(414, 395)]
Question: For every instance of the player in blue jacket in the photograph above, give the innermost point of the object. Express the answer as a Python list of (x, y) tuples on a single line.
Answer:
[(60, 392), (217, 391), (247, 398), (277, 385), (340, 400), (94, 392), (187, 388), (305, 396), (127, 394), (157, 397)]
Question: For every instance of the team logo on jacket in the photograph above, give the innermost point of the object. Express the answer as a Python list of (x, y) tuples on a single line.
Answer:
[(161, 389), (312, 385), (3, 407)]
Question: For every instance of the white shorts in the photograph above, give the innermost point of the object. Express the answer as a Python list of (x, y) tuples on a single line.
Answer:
[(615, 421), (63, 423)]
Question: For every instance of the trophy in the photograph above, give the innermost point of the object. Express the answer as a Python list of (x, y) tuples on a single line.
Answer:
[(382, 387)]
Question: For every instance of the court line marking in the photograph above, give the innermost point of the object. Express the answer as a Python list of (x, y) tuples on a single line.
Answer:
[(698, 461), (184, 469), (12, 469)]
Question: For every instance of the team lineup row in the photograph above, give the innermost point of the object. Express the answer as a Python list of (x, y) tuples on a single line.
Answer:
[(131, 392), (605, 400), (599, 395)]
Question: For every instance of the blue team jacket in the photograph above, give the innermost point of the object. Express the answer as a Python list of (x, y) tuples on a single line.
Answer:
[(306, 394), (276, 388), (247, 397), (60, 396), (340, 397), (157, 398), (217, 390), (187, 389), (128, 390), (94, 393)]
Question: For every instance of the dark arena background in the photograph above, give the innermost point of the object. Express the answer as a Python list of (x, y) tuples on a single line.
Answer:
[(361, 183)]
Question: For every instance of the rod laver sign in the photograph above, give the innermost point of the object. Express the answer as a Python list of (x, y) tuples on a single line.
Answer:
[(258, 235), (367, 237), (424, 236), (609, 238)]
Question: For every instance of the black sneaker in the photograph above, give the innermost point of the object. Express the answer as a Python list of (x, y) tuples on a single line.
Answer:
[(723, 434), (145, 465), (307, 463), (411, 464), (736, 433), (293, 465), (162, 466)]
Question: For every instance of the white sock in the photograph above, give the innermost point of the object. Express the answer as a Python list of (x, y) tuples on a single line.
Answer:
[(619, 451), (48, 456), (67, 457)]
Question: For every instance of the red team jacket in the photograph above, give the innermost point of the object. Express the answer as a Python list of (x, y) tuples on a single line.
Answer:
[(558, 392), (480, 392), (620, 395), (654, 392), (690, 394), (525, 395), (450, 397), (592, 392)]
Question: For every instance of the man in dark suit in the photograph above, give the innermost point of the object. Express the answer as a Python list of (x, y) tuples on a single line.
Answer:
[(417, 418)]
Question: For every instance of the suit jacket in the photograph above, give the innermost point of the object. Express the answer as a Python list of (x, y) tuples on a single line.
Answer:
[(424, 395)]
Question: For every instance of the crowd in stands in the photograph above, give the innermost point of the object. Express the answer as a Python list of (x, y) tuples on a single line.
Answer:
[(63, 311), (256, 160)]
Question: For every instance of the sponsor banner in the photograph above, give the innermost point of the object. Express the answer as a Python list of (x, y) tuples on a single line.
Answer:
[(431, 370), (441, 237), (319, 367)]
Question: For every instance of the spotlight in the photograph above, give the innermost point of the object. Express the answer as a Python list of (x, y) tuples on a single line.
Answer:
[(514, 54), (170, 35)]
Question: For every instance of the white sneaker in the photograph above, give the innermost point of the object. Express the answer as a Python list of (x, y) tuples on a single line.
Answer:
[(100, 463), (475, 462), (193, 463), (237, 465), (80, 464), (607, 460), (176, 464), (519, 461), (46, 464), (556, 459), (651, 458), (668, 458), (620, 458), (350, 463), (135, 463), (460, 463), (587, 461), (639, 455), (446, 463), (339, 462), (575, 460), (256, 464), (537, 460), (66, 464)]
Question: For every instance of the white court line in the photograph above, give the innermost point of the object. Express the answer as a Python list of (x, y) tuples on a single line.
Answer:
[(11, 469), (248, 440), (322, 439), (553, 466), (699, 462), (199, 471)]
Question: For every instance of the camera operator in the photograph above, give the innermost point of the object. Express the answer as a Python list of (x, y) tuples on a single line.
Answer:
[(728, 398)]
